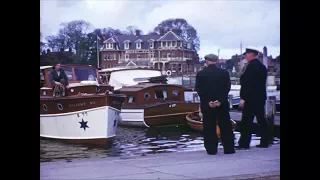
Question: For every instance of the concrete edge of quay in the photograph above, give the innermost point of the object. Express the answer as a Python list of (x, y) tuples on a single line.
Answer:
[(259, 164)]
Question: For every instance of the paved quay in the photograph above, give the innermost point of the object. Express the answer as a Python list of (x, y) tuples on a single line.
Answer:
[(253, 164)]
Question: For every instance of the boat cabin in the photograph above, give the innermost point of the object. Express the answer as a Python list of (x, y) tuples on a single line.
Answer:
[(124, 76), (146, 93), (82, 79)]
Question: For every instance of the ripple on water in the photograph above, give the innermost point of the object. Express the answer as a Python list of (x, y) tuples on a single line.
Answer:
[(133, 142)]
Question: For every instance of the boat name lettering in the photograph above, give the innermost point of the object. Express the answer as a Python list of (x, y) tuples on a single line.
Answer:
[(81, 104)]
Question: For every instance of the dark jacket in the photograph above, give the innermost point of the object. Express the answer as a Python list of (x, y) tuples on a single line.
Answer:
[(54, 76), (253, 82), (212, 83)]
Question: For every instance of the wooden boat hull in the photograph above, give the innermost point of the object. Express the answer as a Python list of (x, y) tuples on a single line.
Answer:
[(84, 119), (158, 114), (195, 123)]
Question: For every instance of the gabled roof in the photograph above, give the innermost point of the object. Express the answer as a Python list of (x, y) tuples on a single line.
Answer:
[(170, 36), (110, 40)]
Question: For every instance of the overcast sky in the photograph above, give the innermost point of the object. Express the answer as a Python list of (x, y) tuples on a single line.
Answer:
[(220, 24)]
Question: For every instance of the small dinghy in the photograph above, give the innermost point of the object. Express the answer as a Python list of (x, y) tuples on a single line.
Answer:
[(194, 121)]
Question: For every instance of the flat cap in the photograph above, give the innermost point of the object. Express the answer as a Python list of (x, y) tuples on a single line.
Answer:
[(251, 50), (211, 57)]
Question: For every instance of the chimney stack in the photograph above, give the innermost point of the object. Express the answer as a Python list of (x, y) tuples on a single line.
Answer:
[(137, 32)]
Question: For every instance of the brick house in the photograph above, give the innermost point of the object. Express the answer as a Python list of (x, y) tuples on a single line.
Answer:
[(166, 52)]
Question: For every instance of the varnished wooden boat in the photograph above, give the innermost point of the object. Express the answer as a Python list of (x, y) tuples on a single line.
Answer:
[(83, 116), (150, 100), (154, 104), (194, 121)]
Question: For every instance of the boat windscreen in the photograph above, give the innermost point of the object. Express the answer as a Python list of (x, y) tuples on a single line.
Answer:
[(84, 74)]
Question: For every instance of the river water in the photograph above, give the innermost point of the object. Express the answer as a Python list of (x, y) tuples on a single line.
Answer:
[(132, 142)]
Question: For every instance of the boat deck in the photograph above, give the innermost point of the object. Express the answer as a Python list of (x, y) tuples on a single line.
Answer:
[(236, 116)]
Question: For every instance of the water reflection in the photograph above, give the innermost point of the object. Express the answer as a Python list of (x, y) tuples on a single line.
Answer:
[(132, 142)]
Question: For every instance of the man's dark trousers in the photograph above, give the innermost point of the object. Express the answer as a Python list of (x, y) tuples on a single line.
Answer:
[(251, 110), (210, 118)]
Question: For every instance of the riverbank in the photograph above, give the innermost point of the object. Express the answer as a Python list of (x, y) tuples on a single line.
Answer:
[(253, 164)]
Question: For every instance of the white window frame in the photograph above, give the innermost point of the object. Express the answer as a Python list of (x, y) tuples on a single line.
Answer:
[(126, 45), (151, 45), (138, 45)]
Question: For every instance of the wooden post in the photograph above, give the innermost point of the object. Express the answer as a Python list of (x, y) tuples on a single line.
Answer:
[(271, 110), (230, 101)]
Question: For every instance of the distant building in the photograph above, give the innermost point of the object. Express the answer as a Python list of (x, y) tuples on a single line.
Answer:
[(166, 52)]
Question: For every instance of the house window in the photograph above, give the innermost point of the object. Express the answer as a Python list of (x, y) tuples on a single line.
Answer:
[(138, 56), (189, 46), (170, 43), (174, 44), (138, 45), (151, 55), (126, 56), (165, 43), (109, 45), (164, 55), (151, 45), (169, 55), (114, 57), (105, 57), (126, 46)]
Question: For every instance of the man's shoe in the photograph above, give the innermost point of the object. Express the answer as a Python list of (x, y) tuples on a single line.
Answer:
[(262, 146), (242, 147), (211, 153)]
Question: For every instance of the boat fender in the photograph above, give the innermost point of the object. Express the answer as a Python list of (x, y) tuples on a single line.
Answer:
[(168, 73)]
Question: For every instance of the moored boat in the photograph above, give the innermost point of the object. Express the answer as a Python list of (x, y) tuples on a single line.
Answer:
[(83, 116), (155, 104), (194, 121)]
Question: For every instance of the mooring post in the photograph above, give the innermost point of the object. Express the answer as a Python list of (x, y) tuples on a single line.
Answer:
[(271, 109), (230, 101)]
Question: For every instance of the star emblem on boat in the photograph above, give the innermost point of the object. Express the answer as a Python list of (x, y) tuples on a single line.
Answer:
[(84, 124)]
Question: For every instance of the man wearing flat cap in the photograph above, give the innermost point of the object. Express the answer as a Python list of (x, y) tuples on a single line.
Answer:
[(213, 86), (253, 96)]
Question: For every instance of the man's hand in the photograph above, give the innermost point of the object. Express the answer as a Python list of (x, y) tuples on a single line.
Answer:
[(67, 86), (57, 83), (212, 104), (241, 103)]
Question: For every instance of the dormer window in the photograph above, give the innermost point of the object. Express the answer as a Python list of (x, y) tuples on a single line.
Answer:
[(151, 44), (109, 46), (126, 45), (138, 45)]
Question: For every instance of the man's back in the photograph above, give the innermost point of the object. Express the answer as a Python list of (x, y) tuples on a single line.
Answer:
[(253, 82), (213, 83)]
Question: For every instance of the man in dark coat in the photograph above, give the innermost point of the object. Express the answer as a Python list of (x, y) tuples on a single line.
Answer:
[(253, 96), (58, 78), (213, 86)]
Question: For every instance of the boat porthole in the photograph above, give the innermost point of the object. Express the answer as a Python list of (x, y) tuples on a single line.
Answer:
[(45, 107), (60, 107), (44, 93), (72, 90), (175, 93), (146, 95)]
